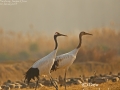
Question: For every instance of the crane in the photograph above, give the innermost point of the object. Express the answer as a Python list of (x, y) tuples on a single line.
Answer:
[(64, 61), (43, 65)]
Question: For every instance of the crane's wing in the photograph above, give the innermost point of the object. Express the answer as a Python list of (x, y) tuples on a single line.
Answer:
[(64, 60), (58, 59), (56, 64)]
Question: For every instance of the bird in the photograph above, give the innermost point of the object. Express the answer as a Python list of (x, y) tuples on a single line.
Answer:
[(43, 65), (64, 61)]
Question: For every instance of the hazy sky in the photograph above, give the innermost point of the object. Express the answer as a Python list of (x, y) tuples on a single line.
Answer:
[(67, 15)]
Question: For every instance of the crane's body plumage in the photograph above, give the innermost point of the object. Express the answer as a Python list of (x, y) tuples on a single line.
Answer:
[(66, 60), (44, 64)]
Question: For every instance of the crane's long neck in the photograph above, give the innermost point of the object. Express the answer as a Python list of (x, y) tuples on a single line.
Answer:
[(80, 41), (56, 44)]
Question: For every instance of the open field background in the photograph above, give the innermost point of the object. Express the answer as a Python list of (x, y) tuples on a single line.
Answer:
[(100, 52), (104, 86), (26, 35)]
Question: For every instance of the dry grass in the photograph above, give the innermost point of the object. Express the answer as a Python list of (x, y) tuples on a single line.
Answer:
[(15, 70), (110, 85), (103, 46), (104, 86), (100, 52)]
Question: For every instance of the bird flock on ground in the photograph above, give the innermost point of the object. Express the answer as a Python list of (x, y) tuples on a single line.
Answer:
[(83, 81)]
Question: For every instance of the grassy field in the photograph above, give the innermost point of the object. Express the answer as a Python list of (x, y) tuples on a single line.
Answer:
[(100, 53), (15, 72), (105, 86)]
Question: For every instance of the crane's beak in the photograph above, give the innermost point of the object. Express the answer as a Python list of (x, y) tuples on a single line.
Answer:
[(63, 35), (88, 34)]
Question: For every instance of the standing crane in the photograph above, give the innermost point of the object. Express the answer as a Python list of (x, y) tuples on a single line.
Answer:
[(64, 61), (43, 65)]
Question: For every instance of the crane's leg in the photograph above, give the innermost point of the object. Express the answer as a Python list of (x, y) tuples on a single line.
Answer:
[(37, 82), (65, 79), (53, 82)]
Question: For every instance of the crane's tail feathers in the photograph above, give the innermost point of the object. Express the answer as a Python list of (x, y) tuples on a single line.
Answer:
[(55, 66), (31, 74)]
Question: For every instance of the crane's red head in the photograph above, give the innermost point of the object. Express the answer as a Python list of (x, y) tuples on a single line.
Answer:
[(58, 34)]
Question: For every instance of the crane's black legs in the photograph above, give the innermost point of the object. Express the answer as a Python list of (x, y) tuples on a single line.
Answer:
[(37, 82), (54, 83), (65, 79)]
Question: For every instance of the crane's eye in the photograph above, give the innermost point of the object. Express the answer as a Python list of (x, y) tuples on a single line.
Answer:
[(56, 33), (83, 33)]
